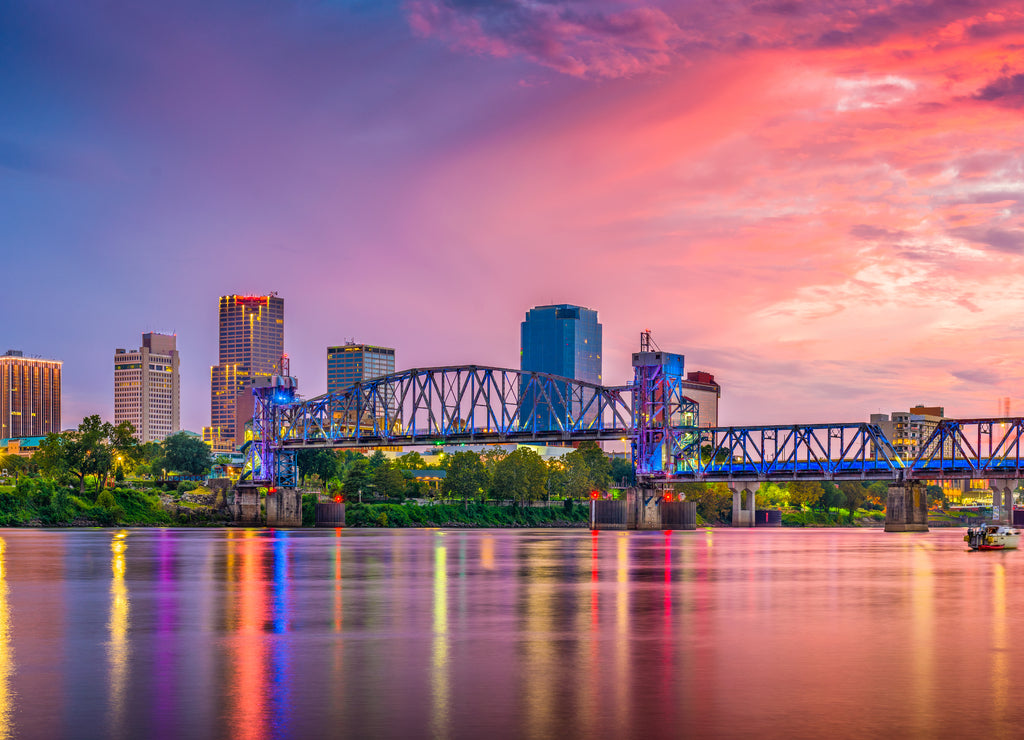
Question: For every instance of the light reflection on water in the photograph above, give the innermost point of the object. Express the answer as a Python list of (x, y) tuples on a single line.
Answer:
[(419, 633)]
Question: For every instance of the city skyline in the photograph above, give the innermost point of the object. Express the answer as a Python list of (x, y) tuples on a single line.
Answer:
[(824, 211)]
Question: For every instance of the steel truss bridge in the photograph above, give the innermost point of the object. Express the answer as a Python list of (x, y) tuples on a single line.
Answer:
[(490, 405)]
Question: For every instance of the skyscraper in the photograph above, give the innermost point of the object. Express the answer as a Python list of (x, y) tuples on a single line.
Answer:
[(561, 340), (146, 387), (251, 346), (29, 395), (353, 363)]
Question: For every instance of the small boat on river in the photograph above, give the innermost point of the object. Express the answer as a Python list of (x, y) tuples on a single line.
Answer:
[(992, 537)]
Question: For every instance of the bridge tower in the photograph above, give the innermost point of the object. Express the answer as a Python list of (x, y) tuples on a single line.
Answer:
[(665, 436), (272, 467)]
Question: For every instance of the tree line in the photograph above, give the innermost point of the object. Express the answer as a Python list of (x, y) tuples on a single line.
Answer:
[(518, 475), (101, 450)]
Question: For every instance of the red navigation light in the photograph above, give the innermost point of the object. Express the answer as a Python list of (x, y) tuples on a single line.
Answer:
[(338, 499), (272, 489), (595, 494)]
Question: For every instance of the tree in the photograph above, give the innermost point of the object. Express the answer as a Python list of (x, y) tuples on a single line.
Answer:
[(322, 463), (854, 496), (804, 493), (598, 464), (713, 500), (411, 461), (520, 475), (184, 453), (14, 465), (89, 450), (388, 481), (936, 496), (622, 473), (465, 476), (377, 459), (357, 478)]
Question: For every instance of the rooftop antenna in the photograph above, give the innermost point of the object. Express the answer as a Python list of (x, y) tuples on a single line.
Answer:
[(646, 342)]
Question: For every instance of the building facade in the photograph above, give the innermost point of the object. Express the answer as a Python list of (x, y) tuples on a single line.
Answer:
[(353, 363), (251, 334), (147, 387), (702, 388), (29, 395), (563, 340)]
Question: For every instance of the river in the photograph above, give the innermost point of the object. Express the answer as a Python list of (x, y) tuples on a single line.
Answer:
[(230, 633)]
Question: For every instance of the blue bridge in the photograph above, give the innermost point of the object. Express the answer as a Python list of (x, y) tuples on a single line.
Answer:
[(652, 414)]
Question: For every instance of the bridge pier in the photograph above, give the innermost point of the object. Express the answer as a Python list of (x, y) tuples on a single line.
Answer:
[(644, 509), (743, 507), (906, 508), (1002, 501), (246, 508), (284, 508)]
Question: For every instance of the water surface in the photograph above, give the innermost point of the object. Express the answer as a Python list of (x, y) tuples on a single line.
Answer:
[(503, 633)]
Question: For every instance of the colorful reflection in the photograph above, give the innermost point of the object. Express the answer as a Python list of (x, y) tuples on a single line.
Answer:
[(440, 679), (280, 664), (117, 644), (6, 653), (247, 716)]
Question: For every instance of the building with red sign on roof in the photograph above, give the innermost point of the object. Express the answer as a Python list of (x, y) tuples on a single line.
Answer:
[(251, 346)]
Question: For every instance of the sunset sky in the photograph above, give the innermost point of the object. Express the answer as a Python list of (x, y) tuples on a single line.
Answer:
[(822, 203)]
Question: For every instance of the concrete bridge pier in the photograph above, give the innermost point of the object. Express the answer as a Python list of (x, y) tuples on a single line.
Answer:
[(1002, 501), (906, 508), (284, 508), (644, 507), (246, 507), (744, 507)]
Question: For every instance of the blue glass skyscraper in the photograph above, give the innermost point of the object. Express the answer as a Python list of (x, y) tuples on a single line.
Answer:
[(561, 340)]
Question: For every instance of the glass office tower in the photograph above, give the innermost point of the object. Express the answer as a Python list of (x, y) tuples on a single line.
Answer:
[(251, 346), (560, 340)]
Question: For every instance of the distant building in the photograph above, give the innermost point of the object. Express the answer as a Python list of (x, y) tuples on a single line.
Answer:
[(251, 346), (353, 363), (563, 340), (702, 388), (909, 430), (29, 395), (147, 387)]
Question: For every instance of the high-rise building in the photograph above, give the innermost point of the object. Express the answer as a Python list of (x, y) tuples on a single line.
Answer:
[(147, 387), (29, 395), (560, 340), (251, 346), (354, 363)]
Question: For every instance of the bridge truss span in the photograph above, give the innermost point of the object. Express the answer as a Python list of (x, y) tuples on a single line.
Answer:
[(972, 448), (455, 404), (856, 451)]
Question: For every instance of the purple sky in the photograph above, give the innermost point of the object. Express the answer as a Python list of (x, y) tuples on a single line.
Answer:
[(819, 202)]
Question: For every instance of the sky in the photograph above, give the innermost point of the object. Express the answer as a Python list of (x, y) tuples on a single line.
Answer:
[(820, 202)]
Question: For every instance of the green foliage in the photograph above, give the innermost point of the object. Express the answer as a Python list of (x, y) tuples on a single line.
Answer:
[(357, 479), (466, 476), (44, 502), (520, 475), (184, 453), (321, 463), (451, 515), (714, 500), (309, 509)]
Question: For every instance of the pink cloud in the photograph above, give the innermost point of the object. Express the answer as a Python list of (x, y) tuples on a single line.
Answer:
[(576, 38)]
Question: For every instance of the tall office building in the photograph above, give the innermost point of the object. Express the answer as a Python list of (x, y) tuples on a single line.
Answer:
[(147, 387), (560, 340), (251, 346), (29, 395), (354, 363)]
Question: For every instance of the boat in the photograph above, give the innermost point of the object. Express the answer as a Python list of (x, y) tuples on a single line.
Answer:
[(992, 537)]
